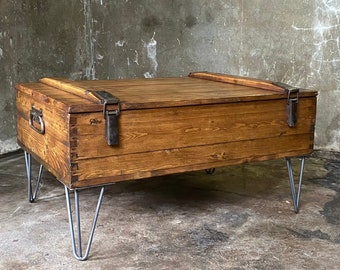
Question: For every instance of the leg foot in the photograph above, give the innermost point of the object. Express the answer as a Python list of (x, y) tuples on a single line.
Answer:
[(295, 192), (77, 248)]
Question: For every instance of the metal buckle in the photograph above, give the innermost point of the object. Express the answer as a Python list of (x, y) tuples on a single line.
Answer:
[(292, 107), (292, 102), (111, 116), (116, 111)]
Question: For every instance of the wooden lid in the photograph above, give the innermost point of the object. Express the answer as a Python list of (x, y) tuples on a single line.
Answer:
[(158, 92)]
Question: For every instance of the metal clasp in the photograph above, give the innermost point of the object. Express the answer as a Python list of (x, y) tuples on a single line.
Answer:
[(292, 107), (292, 102), (116, 111), (111, 116)]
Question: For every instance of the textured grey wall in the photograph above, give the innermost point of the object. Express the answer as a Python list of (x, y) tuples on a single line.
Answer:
[(296, 42)]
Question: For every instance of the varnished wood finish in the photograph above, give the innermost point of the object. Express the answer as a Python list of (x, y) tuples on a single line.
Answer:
[(166, 125), (52, 149), (217, 77), (170, 92), (67, 85)]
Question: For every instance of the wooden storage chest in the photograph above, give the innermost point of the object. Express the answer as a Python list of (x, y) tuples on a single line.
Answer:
[(159, 126), (94, 133)]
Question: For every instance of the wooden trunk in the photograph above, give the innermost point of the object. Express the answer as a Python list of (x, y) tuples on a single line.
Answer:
[(165, 125)]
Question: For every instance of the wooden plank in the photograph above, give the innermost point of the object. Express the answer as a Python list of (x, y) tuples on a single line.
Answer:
[(52, 148), (52, 153), (153, 93), (218, 77), (169, 128), (67, 86), (111, 169), (175, 92), (54, 118), (53, 97)]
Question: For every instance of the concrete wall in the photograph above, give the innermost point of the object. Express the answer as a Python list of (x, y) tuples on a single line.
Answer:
[(296, 42)]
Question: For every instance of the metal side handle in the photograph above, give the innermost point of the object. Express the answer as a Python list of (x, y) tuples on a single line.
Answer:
[(36, 120)]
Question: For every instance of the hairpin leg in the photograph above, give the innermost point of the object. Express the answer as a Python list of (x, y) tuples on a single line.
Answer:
[(295, 193), (77, 248), (210, 171), (32, 195)]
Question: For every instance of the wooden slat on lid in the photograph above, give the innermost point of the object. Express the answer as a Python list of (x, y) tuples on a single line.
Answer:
[(217, 77), (68, 86), (67, 101)]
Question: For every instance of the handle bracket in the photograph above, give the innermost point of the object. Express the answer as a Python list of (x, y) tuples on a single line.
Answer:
[(36, 120)]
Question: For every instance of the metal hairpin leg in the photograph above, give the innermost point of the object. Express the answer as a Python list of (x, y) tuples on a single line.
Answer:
[(295, 193), (77, 248), (210, 171), (32, 195)]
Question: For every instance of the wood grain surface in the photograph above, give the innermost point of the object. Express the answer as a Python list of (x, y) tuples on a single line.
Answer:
[(167, 125)]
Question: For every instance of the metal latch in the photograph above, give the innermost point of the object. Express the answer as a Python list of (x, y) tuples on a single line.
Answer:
[(111, 116), (292, 103)]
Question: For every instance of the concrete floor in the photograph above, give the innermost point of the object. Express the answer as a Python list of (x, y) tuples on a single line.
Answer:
[(241, 217)]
